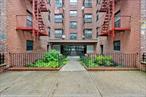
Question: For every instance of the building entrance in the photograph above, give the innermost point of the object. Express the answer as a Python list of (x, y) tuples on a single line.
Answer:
[(73, 50)]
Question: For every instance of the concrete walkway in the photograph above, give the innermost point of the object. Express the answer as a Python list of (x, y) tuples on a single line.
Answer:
[(73, 84), (73, 64)]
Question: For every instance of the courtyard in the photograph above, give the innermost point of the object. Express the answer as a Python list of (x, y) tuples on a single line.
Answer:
[(73, 81), (73, 84)]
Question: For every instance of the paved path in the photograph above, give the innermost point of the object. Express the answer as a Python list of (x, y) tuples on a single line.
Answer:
[(73, 64), (73, 84), (73, 81)]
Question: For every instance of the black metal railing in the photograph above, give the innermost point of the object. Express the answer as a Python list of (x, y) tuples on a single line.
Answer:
[(144, 57), (26, 59), (2, 58), (23, 59)]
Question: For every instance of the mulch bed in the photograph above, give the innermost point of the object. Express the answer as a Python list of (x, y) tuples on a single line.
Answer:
[(111, 69), (33, 69)]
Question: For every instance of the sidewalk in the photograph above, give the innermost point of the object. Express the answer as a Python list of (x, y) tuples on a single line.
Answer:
[(73, 64)]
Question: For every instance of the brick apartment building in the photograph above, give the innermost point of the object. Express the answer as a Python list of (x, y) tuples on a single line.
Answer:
[(23, 25), (73, 26), (2, 25), (121, 26)]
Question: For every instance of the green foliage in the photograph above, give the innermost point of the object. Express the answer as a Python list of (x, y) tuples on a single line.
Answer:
[(52, 55), (97, 61), (87, 61), (51, 59), (104, 61)]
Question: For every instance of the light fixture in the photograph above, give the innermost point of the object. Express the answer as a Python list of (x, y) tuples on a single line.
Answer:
[(63, 36)]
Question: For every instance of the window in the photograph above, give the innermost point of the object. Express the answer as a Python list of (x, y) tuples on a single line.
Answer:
[(88, 3), (29, 21), (97, 17), (49, 29), (49, 1), (58, 18), (97, 2), (88, 18), (73, 36), (29, 45), (97, 30), (73, 24), (58, 33), (90, 48), (117, 19), (58, 3), (73, 2), (49, 16), (73, 13), (117, 45), (88, 33)]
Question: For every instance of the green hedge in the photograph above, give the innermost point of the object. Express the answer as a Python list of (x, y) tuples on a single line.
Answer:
[(97, 61)]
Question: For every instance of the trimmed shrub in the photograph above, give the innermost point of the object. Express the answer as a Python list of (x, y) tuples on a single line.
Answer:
[(52, 59)]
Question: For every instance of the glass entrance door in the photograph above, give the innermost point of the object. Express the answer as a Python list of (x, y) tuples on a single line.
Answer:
[(73, 50)]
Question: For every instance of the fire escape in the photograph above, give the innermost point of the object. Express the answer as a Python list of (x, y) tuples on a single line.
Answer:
[(108, 27), (34, 23)]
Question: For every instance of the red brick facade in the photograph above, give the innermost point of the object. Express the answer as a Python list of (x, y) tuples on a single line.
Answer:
[(130, 39), (17, 11), (81, 26)]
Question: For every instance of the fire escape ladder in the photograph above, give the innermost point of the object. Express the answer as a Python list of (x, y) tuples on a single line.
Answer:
[(41, 24), (34, 15), (38, 7), (44, 6), (107, 8)]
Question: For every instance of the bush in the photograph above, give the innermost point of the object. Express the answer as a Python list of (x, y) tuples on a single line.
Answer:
[(98, 61), (87, 61), (52, 59), (52, 55), (104, 61)]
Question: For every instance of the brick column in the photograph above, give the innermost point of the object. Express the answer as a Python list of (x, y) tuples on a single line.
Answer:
[(143, 31)]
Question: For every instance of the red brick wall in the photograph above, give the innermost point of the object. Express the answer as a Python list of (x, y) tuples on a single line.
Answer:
[(80, 13), (17, 39), (130, 40)]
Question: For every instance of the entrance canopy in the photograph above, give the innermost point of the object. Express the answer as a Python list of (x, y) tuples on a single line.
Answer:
[(73, 41)]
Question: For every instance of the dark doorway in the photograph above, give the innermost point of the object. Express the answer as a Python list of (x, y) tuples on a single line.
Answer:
[(101, 49), (73, 50)]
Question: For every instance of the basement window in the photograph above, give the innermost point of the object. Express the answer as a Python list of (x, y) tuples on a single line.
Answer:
[(29, 45), (117, 45)]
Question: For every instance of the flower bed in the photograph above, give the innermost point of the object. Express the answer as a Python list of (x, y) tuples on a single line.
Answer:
[(103, 63), (90, 62), (51, 59)]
